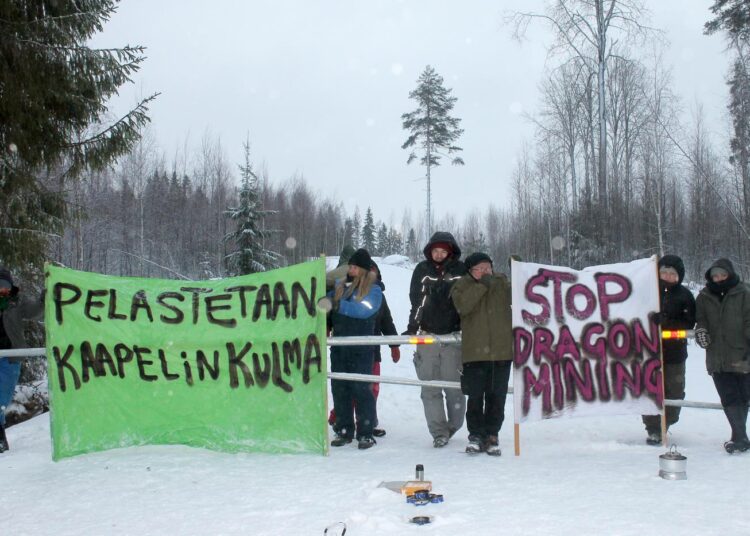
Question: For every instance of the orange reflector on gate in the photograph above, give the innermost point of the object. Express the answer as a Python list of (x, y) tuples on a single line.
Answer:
[(421, 340), (674, 334)]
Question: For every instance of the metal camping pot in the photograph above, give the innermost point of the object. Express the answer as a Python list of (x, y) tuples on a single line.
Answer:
[(672, 465)]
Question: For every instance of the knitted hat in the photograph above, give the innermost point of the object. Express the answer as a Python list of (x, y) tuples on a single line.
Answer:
[(361, 258), (442, 245), (476, 258)]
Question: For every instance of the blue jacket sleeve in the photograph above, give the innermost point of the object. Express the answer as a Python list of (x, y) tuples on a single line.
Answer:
[(365, 308)]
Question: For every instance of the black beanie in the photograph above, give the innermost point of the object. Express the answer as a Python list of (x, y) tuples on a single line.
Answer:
[(475, 258), (362, 259)]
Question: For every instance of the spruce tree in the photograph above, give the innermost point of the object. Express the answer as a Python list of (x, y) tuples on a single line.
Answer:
[(249, 255), (411, 247), (356, 229), (53, 90), (431, 129), (368, 233), (348, 233), (732, 16), (396, 242), (384, 245)]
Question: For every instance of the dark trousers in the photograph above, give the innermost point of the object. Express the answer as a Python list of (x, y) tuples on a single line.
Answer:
[(674, 389), (734, 392), (358, 360), (733, 388), (485, 383)]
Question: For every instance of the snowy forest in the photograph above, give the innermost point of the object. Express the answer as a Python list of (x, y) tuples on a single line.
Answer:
[(617, 169)]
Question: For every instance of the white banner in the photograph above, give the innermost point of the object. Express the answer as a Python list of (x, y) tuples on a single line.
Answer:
[(584, 342)]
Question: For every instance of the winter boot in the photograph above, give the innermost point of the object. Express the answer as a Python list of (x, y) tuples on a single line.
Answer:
[(492, 446), (366, 442), (439, 442), (476, 444), (341, 439), (654, 438), (378, 432), (3, 439), (737, 417)]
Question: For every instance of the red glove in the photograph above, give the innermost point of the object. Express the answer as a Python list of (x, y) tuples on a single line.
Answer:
[(395, 354)]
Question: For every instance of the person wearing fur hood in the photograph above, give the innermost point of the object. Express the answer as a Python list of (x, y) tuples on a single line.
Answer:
[(723, 330)]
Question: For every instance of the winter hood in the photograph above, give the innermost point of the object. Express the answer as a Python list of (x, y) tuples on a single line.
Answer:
[(442, 237), (673, 261), (722, 263)]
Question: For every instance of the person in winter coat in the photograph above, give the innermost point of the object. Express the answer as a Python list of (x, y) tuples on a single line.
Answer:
[(483, 300), (433, 313), (677, 312), (355, 302), (723, 329), (14, 309), (383, 326)]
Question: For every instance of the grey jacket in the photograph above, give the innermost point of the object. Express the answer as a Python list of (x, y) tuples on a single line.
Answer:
[(728, 323)]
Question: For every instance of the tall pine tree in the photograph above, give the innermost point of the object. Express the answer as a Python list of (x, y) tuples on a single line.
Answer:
[(53, 90), (249, 255), (431, 129)]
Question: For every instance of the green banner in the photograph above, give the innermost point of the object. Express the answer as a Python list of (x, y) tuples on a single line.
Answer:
[(233, 364)]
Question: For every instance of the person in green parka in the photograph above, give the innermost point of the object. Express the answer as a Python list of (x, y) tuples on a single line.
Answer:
[(723, 330), (483, 301)]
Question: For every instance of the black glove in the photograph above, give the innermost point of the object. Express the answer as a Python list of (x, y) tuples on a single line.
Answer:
[(410, 332), (702, 338), (657, 318), (486, 280)]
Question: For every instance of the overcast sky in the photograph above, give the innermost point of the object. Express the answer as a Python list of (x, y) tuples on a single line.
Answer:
[(321, 85)]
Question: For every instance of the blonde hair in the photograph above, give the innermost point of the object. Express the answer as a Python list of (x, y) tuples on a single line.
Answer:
[(361, 284)]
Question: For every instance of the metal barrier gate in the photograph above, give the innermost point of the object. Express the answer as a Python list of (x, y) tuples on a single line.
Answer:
[(376, 340)]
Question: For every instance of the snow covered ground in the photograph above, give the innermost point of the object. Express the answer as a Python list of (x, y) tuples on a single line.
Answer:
[(575, 476)]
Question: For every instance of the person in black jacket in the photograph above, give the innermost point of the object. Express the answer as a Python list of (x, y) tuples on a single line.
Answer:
[(433, 313), (677, 312)]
